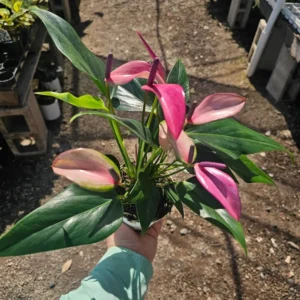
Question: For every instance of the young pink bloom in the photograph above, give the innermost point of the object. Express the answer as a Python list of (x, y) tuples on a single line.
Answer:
[(183, 147), (88, 168), (172, 100), (161, 69), (215, 107), (131, 70), (220, 185), (164, 137)]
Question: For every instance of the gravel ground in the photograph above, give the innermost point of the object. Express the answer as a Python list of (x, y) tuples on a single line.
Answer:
[(204, 263)]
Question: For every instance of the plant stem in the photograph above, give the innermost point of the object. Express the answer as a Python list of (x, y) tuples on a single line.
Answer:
[(141, 157), (170, 166), (142, 144), (170, 174), (155, 102), (144, 107), (118, 136), (153, 156)]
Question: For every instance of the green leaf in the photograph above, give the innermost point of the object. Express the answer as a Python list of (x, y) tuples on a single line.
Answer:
[(7, 3), (130, 97), (69, 43), (174, 198), (85, 101), (179, 75), (134, 126), (147, 197), (114, 160), (206, 154), (72, 218), (243, 166), (125, 101), (230, 138), (193, 195), (248, 170)]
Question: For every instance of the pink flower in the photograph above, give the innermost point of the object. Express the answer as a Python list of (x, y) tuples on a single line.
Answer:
[(220, 185), (183, 147), (88, 168), (131, 70), (134, 69), (172, 100), (215, 107)]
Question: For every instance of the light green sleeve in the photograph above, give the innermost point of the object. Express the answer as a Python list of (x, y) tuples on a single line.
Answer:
[(120, 274)]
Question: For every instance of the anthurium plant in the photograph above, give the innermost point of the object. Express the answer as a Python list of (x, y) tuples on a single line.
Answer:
[(173, 137)]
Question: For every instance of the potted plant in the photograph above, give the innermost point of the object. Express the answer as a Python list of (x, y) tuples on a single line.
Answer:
[(201, 140), (16, 19)]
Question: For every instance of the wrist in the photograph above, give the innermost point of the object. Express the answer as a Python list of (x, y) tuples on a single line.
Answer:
[(131, 247)]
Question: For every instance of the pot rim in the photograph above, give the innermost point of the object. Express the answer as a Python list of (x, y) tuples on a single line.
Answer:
[(136, 225)]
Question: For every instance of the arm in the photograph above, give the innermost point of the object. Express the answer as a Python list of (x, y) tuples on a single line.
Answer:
[(124, 271)]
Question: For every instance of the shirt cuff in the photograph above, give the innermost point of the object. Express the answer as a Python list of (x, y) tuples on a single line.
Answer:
[(141, 263)]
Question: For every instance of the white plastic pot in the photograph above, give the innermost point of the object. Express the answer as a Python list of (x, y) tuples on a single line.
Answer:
[(53, 85), (51, 111), (136, 225)]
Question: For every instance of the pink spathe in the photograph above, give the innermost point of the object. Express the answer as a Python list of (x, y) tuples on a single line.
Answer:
[(131, 70), (163, 137), (183, 147), (88, 168), (220, 185), (217, 106), (172, 101)]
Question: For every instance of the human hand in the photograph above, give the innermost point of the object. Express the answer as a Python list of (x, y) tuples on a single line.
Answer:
[(145, 244)]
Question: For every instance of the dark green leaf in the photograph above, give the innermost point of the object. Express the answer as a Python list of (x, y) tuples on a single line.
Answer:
[(206, 154), (248, 170), (147, 197), (243, 166), (85, 101), (154, 130), (130, 97), (174, 198), (232, 139), (136, 194), (179, 75), (124, 100), (72, 218), (134, 126), (114, 160), (69, 43), (193, 195)]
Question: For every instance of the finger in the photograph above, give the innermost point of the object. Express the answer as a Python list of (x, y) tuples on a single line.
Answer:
[(157, 227)]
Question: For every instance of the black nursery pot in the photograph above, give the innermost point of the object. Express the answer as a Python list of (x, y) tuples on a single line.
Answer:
[(3, 56), (131, 217), (45, 100), (10, 64), (7, 78), (14, 48)]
